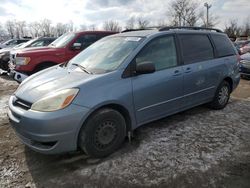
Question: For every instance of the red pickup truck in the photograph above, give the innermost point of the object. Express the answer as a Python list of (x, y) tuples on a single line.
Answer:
[(28, 61)]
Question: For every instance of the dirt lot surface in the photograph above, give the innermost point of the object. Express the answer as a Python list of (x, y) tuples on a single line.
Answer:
[(196, 148)]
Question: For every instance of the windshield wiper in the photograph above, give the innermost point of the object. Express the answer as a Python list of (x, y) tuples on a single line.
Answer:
[(82, 67)]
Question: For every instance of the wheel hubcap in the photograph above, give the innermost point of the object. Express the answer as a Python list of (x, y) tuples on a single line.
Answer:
[(223, 95), (105, 134)]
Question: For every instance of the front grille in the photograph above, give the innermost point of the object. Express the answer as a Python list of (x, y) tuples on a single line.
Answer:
[(22, 104)]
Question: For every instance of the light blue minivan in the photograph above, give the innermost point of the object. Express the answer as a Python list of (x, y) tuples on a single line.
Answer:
[(121, 82)]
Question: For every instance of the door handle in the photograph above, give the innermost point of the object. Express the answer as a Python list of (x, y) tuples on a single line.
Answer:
[(188, 70), (177, 73)]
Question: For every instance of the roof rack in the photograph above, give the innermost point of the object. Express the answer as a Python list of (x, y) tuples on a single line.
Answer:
[(190, 28), (129, 30)]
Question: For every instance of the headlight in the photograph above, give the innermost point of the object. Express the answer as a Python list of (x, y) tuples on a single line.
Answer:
[(57, 101), (22, 60)]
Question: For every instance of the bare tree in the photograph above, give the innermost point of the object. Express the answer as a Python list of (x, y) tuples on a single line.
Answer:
[(70, 26), (111, 25), (60, 29), (142, 23), (3, 34), (184, 12), (10, 27), (131, 23), (212, 22), (246, 27), (92, 27), (233, 30), (20, 29), (46, 27), (35, 29), (161, 23)]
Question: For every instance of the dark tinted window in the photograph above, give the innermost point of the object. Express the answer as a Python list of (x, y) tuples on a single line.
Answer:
[(223, 45), (196, 48), (99, 36), (21, 41), (161, 51), (48, 41), (86, 40)]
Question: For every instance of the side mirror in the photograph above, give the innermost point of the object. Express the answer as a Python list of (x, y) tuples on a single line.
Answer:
[(76, 46), (145, 68)]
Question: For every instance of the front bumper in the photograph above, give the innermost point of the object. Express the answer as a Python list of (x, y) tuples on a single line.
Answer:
[(48, 132), (18, 76)]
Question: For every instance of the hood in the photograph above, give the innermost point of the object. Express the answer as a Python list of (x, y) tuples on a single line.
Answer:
[(36, 50), (49, 81), (2, 45), (5, 50)]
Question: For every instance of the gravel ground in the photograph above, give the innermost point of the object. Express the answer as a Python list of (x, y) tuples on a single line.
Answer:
[(196, 148)]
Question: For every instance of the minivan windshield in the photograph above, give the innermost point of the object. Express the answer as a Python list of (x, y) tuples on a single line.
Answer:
[(105, 55), (63, 40)]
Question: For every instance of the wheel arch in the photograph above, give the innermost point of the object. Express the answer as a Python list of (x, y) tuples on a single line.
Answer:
[(230, 81), (118, 107)]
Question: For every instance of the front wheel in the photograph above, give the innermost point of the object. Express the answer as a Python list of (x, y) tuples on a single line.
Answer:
[(103, 133), (222, 96)]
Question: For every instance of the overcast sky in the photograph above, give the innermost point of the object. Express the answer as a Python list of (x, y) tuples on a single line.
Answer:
[(89, 12)]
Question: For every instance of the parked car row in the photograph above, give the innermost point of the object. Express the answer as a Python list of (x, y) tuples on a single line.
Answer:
[(93, 101), (26, 62), (245, 65), (6, 53), (13, 42), (243, 46)]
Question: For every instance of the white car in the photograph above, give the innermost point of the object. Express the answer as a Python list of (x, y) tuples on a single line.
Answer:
[(12, 42)]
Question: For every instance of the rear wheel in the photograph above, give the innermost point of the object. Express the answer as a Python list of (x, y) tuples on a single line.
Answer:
[(222, 96), (103, 133)]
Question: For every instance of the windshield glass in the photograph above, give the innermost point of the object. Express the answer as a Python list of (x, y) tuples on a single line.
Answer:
[(106, 54), (63, 40), (25, 44), (9, 42)]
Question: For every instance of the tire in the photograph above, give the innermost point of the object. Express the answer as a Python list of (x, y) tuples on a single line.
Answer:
[(4, 63), (103, 133), (221, 97)]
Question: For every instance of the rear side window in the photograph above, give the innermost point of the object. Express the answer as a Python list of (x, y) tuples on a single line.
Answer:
[(223, 45), (196, 48)]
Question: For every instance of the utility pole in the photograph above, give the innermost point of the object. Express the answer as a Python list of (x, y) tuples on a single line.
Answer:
[(207, 7)]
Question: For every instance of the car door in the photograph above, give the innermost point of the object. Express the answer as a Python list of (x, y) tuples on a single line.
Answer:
[(158, 94), (197, 57)]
